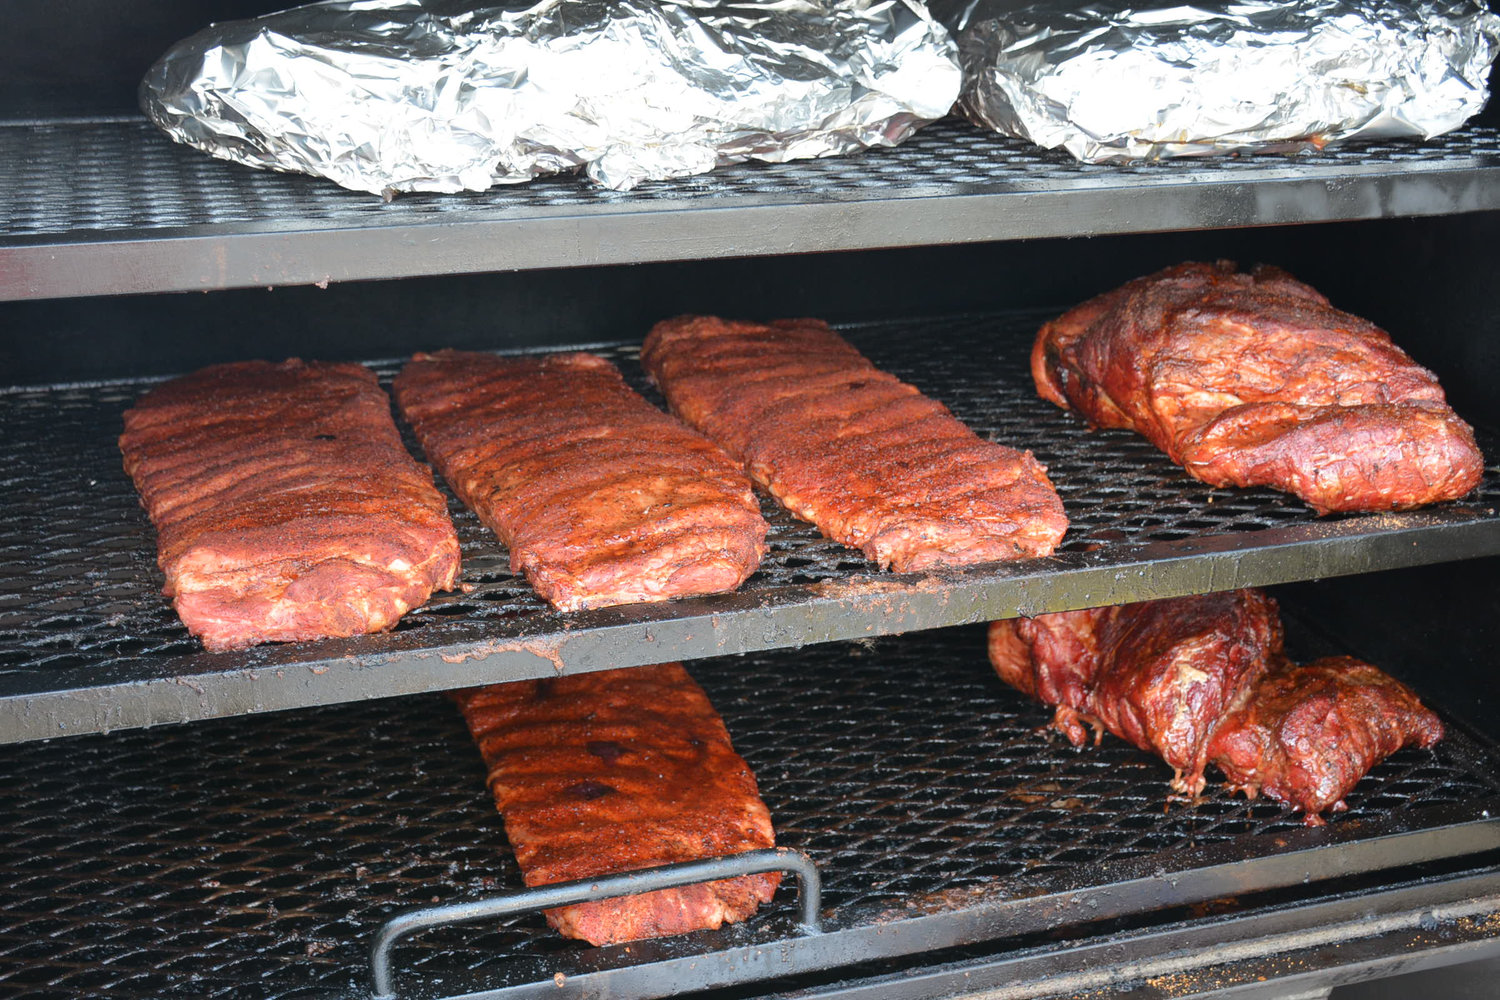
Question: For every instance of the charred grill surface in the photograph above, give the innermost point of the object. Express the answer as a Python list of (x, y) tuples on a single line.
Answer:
[(1201, 680), (615, 771), (285, 505), (869, 459), (1255, 379), (600, 497)]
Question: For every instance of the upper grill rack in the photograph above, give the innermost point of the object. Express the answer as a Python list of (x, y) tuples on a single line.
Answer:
[(267, 851), (112, 207), (88, 644)]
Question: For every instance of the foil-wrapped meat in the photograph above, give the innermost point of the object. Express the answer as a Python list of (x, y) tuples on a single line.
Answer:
[(1121, 80), (436, 95)]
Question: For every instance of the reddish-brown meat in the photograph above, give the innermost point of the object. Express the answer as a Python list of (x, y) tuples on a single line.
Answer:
[(1254, 379), (1202, 680), (1160, 675), (617, 771), (1308, 733), (867, 458), (285, 505), (601, 498)]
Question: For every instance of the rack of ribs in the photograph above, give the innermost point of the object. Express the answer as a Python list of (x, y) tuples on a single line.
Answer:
[(867, 458), (617, 771), (285, 505), (1202, 679), (1255, 379), (601, 498)]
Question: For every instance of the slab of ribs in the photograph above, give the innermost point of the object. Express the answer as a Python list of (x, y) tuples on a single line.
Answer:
[(285, 505), (616, 771), (1255, 379), (601, 498), (1202, 679), (867, 458)]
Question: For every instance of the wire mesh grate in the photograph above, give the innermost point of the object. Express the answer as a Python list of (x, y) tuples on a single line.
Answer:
[(80, 600), (198, 860), (126, 175)]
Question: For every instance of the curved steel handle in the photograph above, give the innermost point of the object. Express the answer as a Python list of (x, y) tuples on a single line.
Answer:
[(545, 897)]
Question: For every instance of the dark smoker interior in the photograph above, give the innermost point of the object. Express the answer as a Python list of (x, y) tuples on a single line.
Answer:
[(239, 825)]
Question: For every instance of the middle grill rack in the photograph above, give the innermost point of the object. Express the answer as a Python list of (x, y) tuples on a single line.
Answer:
[(88, 644)]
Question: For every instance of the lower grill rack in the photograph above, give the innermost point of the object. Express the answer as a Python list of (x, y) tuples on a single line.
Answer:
[(258, 856)]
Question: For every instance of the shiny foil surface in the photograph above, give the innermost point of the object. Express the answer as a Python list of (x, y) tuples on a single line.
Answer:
[(425, 95), (1116, 82)]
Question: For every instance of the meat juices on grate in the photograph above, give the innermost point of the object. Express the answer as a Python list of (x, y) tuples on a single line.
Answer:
[(867, 458), (601, 498), (616, 771), (1201, 680), (285, 505), (1255, 379)]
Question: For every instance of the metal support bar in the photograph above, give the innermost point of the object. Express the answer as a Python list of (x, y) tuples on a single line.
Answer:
[(809, 894)]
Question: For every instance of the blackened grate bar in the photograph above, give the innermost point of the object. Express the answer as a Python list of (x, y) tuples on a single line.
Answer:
[(88, 644), (256, 857), (89, 208)]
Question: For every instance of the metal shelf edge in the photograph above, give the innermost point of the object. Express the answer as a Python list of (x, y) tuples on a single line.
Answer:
[(275, 678), (244, 255)]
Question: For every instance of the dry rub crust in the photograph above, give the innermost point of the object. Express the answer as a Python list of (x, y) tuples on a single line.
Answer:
[(285, 505), (1255, 379), (600, 497), (867, 458), (616, 771)]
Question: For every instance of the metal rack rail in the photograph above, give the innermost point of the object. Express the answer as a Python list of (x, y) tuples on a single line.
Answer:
[(112, 206), (88, 644)]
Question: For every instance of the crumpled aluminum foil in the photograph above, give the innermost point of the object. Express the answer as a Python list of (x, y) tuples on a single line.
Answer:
[(436, 95), (1114, 82)]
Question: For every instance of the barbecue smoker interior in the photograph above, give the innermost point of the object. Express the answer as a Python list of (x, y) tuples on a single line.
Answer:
[(962, 847)]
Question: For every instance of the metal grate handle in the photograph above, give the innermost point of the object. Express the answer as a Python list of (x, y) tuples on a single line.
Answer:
[(545, 897)]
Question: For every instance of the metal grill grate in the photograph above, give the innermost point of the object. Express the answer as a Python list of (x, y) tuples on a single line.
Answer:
[(127, 175), (193, 862), (84, 630), (72, 193)]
